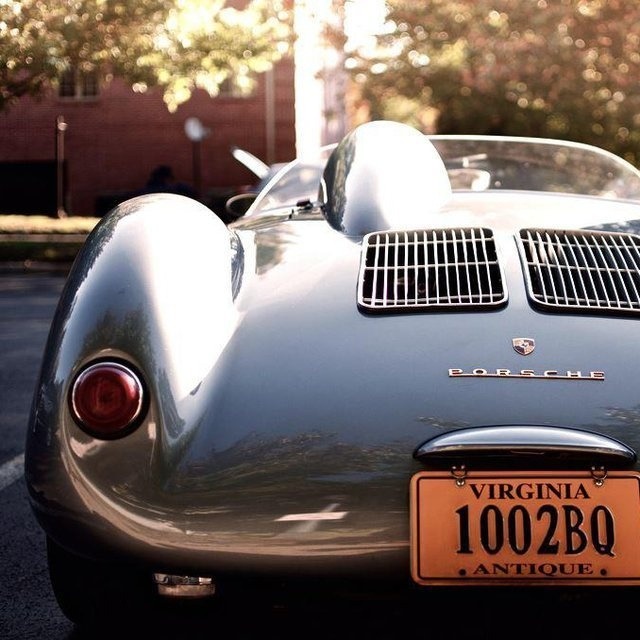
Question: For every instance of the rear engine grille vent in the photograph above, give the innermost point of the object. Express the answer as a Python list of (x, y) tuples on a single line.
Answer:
[(582, 270), (430, 270)]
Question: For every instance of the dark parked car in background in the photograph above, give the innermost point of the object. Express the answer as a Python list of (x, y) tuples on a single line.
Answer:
[(411, 365)]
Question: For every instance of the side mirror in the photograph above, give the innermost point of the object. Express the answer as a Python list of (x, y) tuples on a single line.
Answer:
[(238, 205)]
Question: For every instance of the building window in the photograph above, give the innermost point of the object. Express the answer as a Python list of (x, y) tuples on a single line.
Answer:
[(78, 85)]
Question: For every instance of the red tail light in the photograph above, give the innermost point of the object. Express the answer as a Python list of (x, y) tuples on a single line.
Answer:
[(107, 400)]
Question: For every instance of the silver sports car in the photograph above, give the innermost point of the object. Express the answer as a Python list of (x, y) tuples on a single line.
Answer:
[(411, 365)]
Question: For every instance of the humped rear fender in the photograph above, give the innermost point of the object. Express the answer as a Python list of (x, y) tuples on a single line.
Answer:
[(375, 180), (153, 285)]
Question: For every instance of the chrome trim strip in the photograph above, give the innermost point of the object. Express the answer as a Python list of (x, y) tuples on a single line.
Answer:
[(524, 440)]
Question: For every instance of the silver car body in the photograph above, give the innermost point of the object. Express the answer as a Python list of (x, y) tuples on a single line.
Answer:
[(292, 399)]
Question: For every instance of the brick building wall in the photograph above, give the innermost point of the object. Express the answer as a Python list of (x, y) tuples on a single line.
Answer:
[(113, 142)]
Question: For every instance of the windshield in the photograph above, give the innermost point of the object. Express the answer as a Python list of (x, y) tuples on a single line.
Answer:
[(531, 164), (297, 181), (482, 163)]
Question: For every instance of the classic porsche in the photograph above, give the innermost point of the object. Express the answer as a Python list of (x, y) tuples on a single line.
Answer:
[(411, 365)]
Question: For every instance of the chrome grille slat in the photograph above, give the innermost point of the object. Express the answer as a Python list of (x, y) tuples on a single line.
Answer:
[(582, 270), (436, 257), (385, 273), (416, 269), (406, 272), (426, 261), (572, 281), (489, 279), (430, 269), (624, 283), (555, 255), (375, 271), (628, 256), (474, 248), (613, 274), (600, 292), (465, 262)]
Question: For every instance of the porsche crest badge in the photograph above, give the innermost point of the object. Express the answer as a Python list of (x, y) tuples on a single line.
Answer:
[(524, 346)]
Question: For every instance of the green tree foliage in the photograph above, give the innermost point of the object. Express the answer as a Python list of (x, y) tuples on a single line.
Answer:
[(554, 68), (178, 45)]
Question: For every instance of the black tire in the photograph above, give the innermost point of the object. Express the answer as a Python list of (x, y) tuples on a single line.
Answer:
[(98, 594)]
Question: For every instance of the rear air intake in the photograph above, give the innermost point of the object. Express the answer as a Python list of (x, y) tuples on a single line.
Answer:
[(430, 270), (582, 270)]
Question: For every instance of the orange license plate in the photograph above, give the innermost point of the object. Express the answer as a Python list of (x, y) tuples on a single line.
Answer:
[(525, 527)]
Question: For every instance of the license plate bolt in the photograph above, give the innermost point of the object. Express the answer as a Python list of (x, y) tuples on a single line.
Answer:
[(459, 474), (599, 475)]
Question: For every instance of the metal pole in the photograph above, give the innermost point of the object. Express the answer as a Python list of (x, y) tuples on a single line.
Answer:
[(270, 116), (197, 171), (61, 127)]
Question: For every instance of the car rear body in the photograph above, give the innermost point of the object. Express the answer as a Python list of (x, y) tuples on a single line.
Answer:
[(306, 363)]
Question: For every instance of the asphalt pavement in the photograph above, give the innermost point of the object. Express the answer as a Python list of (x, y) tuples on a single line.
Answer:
[(27, 606)]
